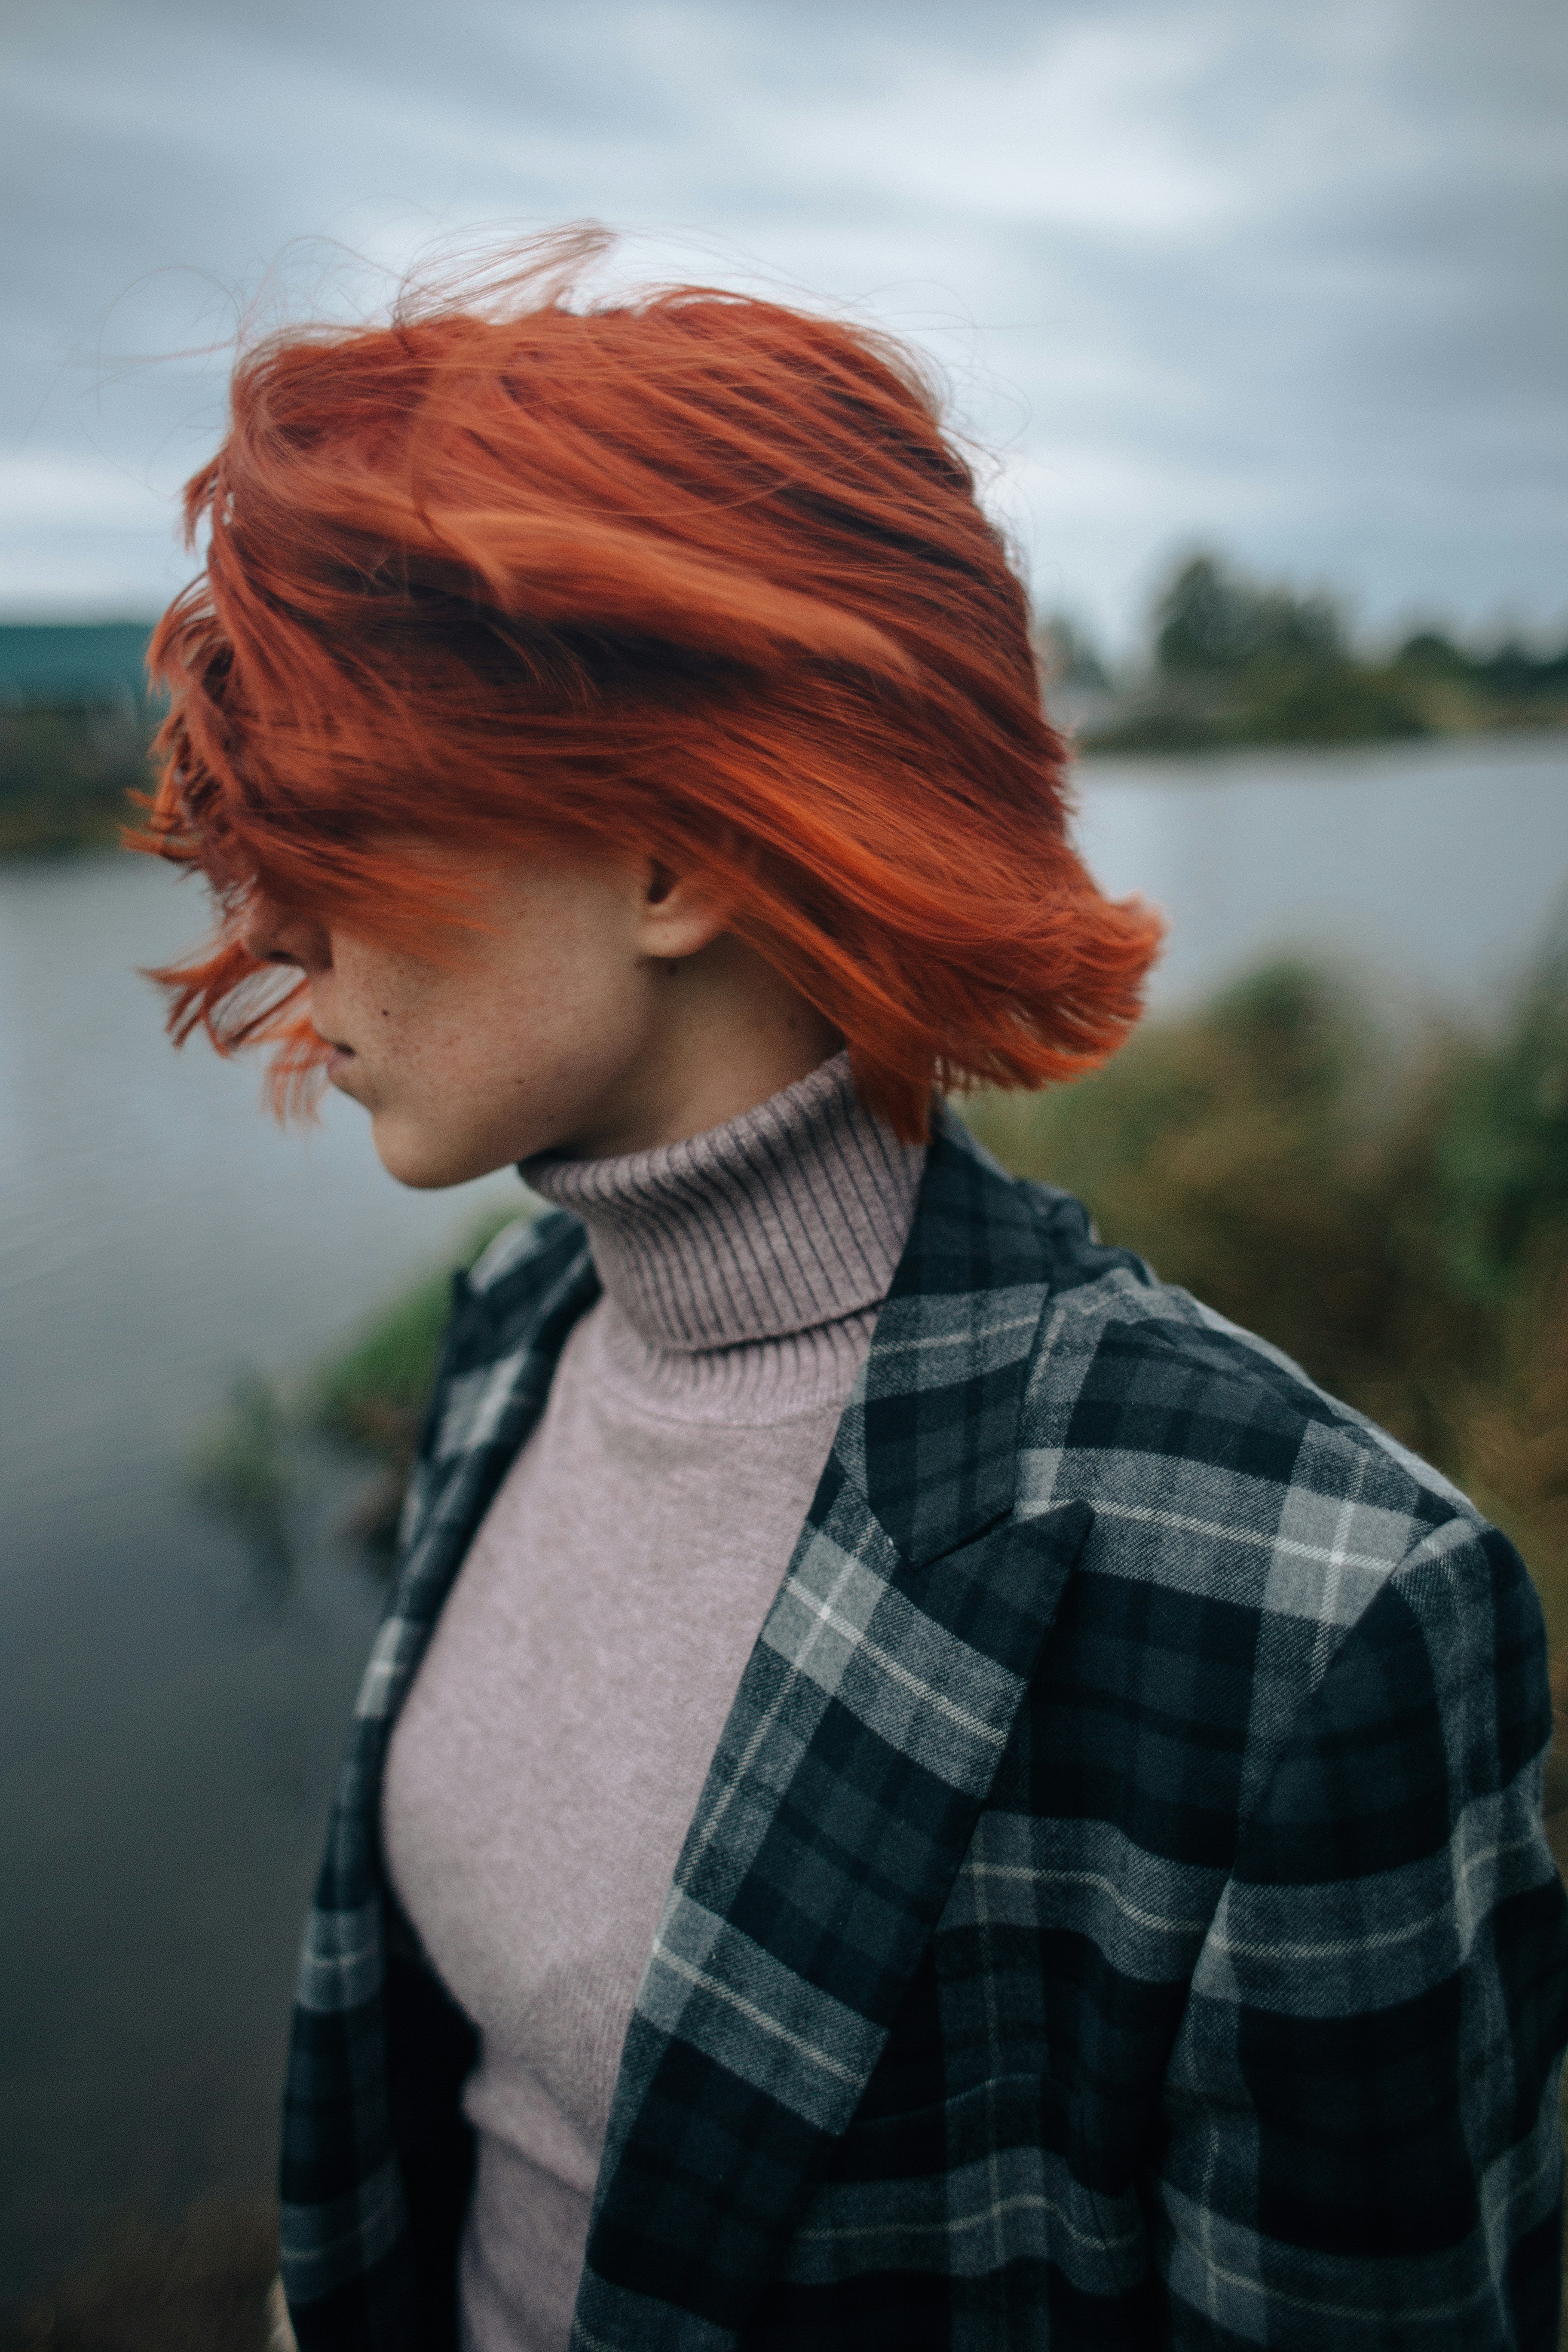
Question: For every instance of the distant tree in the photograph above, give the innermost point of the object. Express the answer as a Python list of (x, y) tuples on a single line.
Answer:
[(1431, 655), (1217, 621), (1511, 673), (1237, 660), (1515, 675)]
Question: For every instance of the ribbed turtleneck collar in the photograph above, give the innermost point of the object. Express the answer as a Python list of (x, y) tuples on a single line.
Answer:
[(792, 1216)]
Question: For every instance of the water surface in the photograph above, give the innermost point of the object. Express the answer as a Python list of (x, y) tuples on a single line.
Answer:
[(1435, 869)]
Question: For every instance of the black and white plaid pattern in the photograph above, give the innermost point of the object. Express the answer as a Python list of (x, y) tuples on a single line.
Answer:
[(1116, 1914)]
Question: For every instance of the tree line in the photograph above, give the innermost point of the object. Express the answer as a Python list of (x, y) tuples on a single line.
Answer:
[(1235, 659), (1231, 659)]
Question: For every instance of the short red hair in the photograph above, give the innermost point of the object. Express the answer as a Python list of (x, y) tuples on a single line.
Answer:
[(682, 575)]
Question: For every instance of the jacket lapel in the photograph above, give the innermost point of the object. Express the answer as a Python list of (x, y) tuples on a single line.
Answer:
[(866, 1733)]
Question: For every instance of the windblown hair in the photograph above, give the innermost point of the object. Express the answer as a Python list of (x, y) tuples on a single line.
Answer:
[(687, 576)]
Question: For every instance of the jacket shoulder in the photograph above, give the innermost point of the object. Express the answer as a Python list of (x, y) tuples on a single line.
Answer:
[(1206, 1454), (1255, 1543)]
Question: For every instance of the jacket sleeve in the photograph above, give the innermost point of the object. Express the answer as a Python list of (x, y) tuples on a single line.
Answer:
[(1360, 2142)]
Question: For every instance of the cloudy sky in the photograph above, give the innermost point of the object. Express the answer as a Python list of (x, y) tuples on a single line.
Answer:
[(1287, 280)]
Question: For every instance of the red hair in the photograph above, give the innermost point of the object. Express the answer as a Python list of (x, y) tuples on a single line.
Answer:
[(687, 576)]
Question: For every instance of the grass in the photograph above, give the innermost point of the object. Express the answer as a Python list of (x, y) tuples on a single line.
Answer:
[(245, 1468), (371, 1396)]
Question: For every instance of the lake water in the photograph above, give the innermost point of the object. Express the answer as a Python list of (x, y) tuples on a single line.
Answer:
[(170, 1711), (1433, 869)]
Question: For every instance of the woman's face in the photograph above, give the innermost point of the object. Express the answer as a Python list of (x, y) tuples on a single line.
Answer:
[(599, 1010)]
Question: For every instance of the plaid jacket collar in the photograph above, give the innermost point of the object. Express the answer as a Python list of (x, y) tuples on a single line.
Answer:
[(868, 1725)]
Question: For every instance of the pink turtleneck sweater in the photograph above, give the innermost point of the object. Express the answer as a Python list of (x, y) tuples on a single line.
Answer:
[(547, 1762)]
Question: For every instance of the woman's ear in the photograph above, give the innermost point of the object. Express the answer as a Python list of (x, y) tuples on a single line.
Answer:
[(678, 913)]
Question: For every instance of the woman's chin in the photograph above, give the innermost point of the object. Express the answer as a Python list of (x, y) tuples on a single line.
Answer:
[(412, 1158), (428, 1163)]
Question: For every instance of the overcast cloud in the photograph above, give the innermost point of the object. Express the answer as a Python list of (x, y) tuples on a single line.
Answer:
[(1291, 282)]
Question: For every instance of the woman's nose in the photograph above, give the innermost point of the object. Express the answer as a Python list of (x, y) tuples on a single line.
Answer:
[(275, 934)]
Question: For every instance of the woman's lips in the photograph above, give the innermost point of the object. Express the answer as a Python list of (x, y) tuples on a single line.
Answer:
[(339, 1060)]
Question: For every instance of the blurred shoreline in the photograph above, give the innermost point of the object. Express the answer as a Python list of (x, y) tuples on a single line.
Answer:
[(70, 781), (1233, 667)]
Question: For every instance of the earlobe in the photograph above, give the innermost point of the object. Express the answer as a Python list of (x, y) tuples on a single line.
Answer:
[(681, 914)]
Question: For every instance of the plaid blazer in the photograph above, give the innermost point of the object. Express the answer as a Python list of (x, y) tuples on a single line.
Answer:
[(1116, 1914)]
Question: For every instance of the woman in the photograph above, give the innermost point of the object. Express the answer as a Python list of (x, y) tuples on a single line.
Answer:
[(917, 1789)]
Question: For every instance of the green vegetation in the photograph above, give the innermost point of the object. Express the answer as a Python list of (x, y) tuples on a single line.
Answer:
[(243, 1470), (246, 1467), (66, 777), (371, 1396), (1236, 660)]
